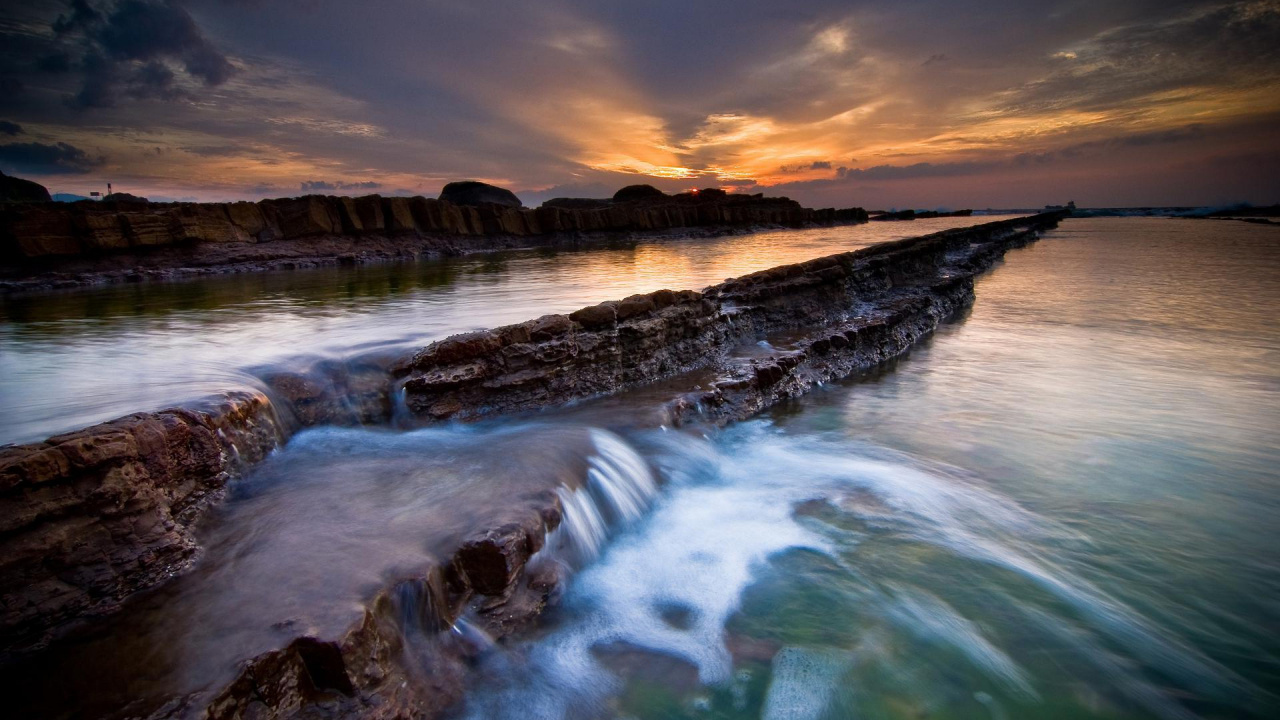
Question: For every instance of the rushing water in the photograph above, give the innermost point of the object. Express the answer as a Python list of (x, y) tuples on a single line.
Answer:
[(70, 359), (1065, 504)]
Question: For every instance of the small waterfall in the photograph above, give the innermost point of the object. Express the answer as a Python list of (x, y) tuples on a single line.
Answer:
[(619, 488), (401, 416), (420, 605)]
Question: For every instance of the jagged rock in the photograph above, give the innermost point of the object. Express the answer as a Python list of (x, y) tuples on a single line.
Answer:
[(305, 216), (14, 189), (249, 218), (472, 192), (397, 214)]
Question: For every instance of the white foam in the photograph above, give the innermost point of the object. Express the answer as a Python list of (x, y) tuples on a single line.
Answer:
[(803, 683)]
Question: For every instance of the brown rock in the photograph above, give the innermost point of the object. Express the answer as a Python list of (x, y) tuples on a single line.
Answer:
[(398, 215), (596, 316), (305, 216)]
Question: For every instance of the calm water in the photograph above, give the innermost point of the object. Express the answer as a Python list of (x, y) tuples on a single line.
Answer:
[(68, 360), (1064, 505)]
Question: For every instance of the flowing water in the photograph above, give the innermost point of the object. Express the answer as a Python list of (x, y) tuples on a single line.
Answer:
[(1064, 504), (71, 359)]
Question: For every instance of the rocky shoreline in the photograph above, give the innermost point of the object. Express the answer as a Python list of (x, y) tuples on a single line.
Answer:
[(100, 514), (48, 245)]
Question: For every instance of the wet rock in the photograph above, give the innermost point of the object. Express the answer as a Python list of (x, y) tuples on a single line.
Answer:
[(96, 515), (596, 316)]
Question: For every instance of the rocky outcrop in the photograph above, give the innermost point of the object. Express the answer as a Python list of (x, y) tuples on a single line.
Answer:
[(15, 190), (95, 515), (614, 345), (632, 193), (472, 192), (91, 517), (54, 245)]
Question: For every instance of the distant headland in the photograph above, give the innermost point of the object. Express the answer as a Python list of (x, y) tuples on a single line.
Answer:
[(127, 238)]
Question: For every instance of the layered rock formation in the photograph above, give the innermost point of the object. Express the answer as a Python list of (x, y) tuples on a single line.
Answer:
[(620, 344), (92, 516), (53, 244), (104, 512)]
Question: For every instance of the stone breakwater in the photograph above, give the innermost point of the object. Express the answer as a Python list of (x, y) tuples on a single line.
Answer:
[(58, 244), (96, 515)]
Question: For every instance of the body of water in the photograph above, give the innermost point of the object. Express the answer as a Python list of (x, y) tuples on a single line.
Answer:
[(1065, 504)]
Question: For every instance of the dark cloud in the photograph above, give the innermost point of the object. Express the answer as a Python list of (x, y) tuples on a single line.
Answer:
[(55, 62), (10, 128), (142, 30), (83, 16), (153, 80), (42, 159), (131, 48), (935, 58), (815, 165), (1210, 50), (322, 185)]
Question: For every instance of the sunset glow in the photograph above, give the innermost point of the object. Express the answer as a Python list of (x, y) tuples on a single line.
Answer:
[(831, 104)]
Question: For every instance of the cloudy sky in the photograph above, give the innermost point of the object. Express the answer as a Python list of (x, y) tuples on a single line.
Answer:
[(924, 103)]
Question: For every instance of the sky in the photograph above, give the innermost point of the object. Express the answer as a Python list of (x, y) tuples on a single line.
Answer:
[(912, 103)]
